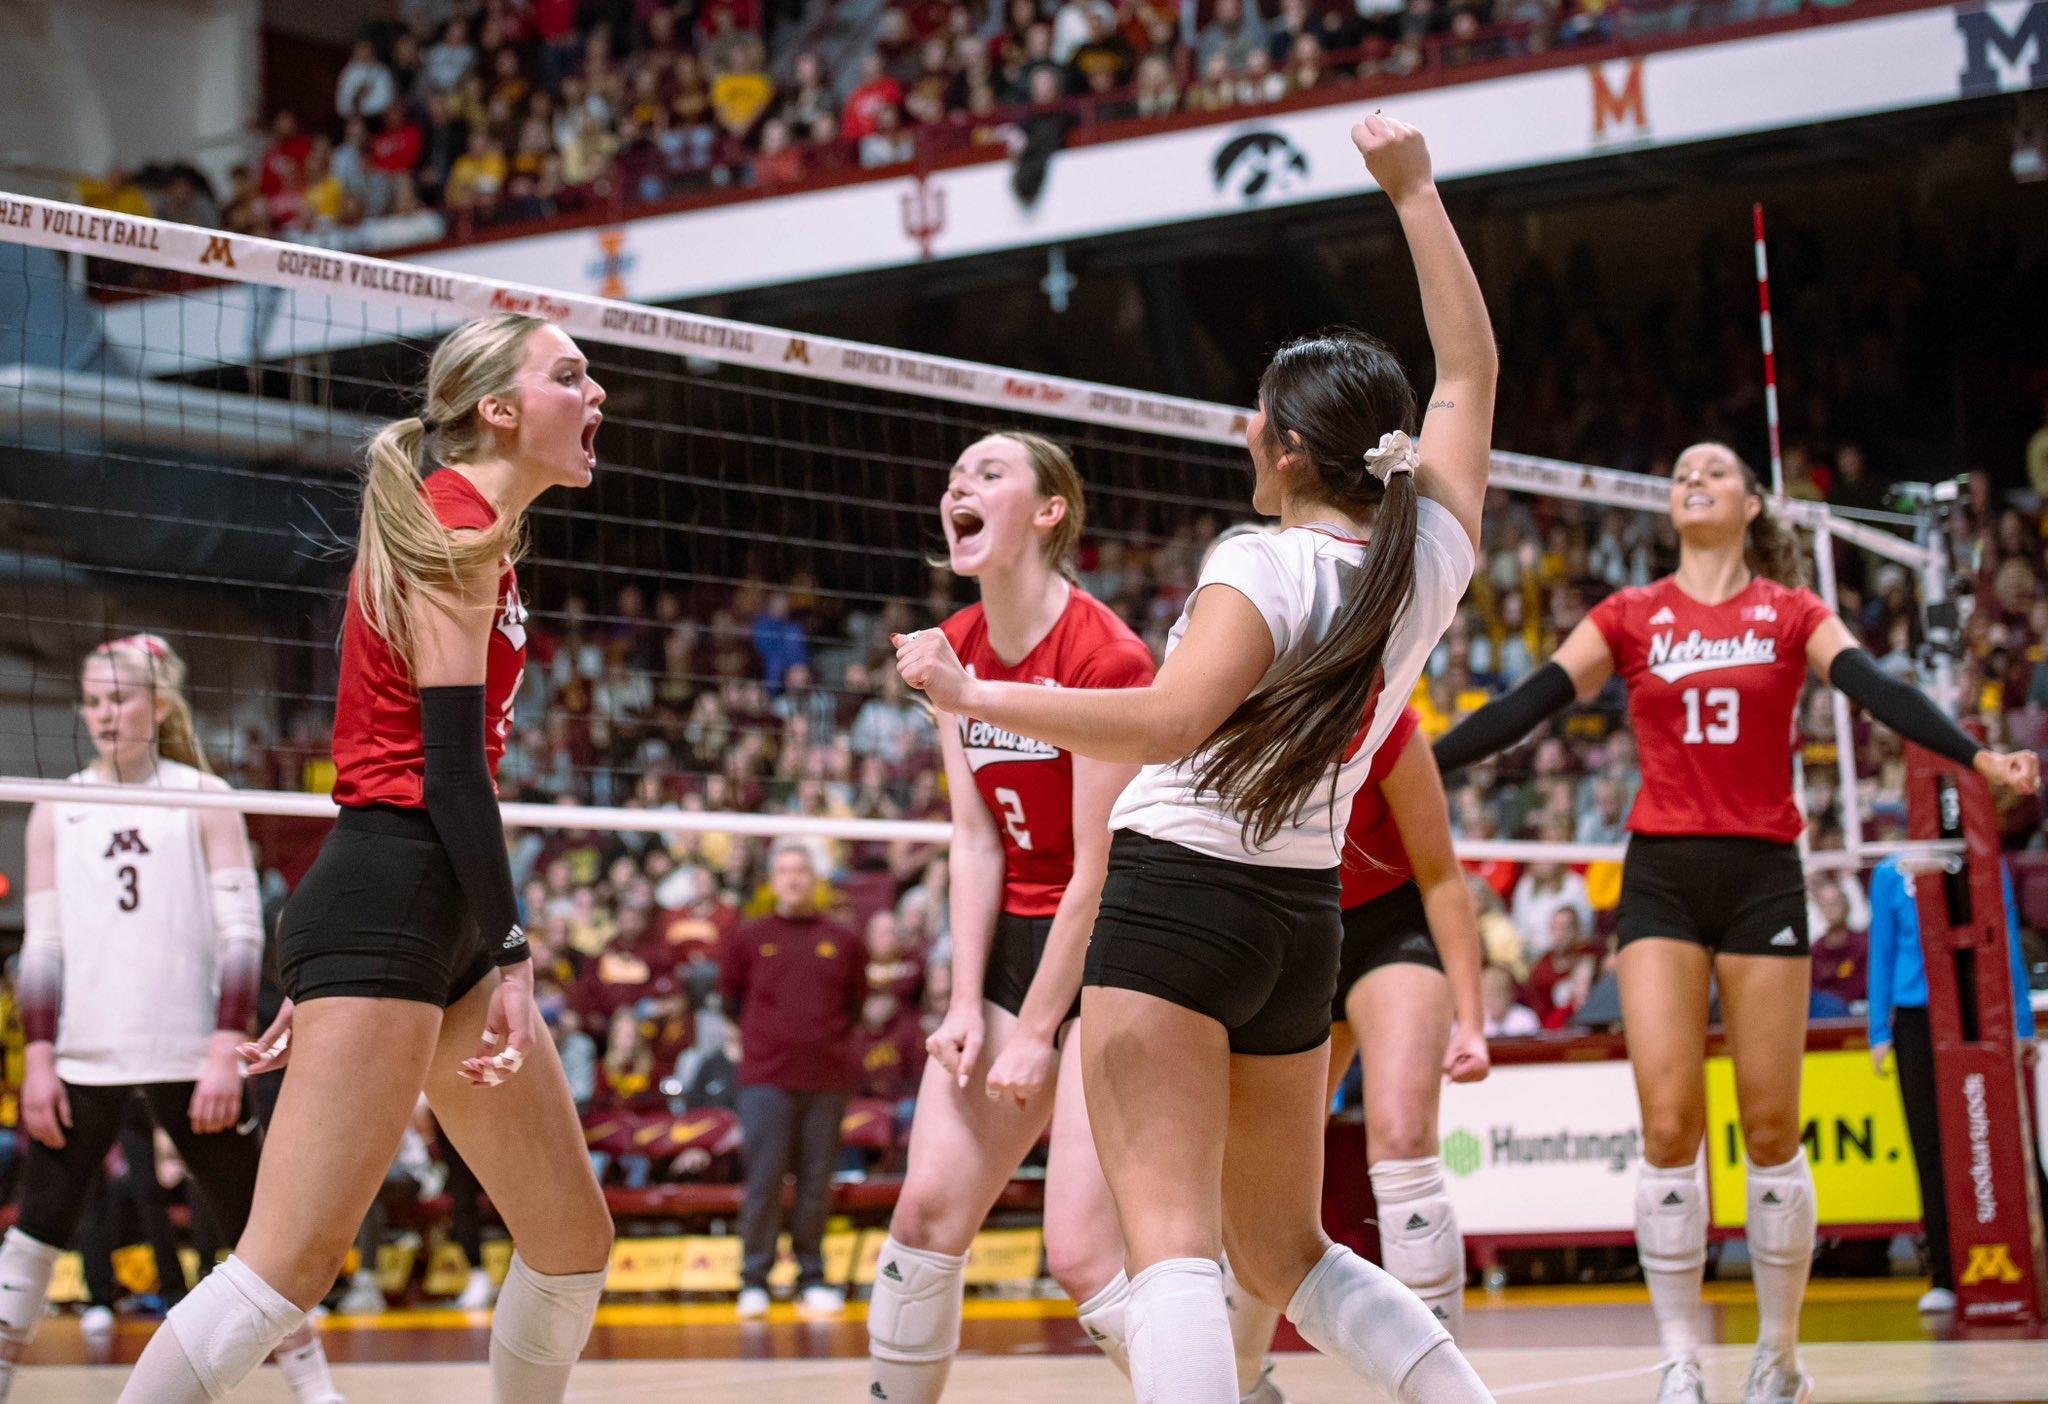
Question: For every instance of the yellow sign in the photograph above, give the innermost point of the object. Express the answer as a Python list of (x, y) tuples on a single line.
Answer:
[(1855, 1136), (645, 1265), (447, 1270), (710, 1265), (1004, 1255), (1990, 1262)]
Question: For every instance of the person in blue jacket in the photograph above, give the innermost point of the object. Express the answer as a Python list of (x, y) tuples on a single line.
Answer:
[(1898, 1019)]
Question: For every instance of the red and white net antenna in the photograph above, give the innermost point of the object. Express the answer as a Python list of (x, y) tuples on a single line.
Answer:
[(1763, 303)]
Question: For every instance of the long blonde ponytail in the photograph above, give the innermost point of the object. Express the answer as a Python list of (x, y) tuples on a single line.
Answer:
[(401, 544), (155, 665)]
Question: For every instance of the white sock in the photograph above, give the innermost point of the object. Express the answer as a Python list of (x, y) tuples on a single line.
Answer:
[(913, 1323), (1357, 1313), (1252, 1323), (1781, 1230), (538, 1330), (1420, 1242), (213, 1339), (1671, 1242), (1180, 1334), (1104, 1317), (304, 1364)]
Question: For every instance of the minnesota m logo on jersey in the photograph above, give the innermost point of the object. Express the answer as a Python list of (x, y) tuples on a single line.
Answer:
[(126, 841)]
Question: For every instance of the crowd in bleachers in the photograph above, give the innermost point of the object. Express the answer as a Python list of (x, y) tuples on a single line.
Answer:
[(468, 114)]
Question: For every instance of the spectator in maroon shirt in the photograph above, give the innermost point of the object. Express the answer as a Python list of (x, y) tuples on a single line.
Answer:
[(890, 1044), (794, 980)]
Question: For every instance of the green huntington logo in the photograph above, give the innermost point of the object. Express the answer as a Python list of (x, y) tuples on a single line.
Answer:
[(1461, 1152)]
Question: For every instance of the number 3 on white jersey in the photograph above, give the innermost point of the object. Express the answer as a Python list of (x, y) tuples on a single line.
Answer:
[(1726, 703), (1013, 818)]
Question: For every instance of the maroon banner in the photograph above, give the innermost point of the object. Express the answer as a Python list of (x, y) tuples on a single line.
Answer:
[(1987, 1142)]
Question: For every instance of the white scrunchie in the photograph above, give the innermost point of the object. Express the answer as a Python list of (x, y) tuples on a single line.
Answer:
[(1396, 453)]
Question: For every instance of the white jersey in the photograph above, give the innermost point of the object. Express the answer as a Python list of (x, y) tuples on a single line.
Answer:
[(135, 911), (1296, 579)]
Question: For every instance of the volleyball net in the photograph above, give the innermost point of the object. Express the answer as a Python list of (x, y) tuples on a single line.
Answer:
[(181, 416)]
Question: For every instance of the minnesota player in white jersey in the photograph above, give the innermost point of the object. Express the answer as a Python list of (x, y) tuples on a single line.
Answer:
[(138, 975), (1205, 1013)]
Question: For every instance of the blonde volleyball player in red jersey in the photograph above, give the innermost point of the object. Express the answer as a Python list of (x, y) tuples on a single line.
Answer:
[(1715, 656), (139, 970), (401, 950), (1408, 1001), (1030, 846)]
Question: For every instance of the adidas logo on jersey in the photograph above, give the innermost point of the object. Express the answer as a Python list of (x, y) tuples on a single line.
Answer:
[(1771, 1197), (1785, 938), (1415, 1221), (1671, 1198), (1663, 616), (889, 1271), (1672, 658), (875, 1391), (515, 937)]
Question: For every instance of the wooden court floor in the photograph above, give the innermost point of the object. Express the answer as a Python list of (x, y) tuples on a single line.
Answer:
[(1548, 1346)]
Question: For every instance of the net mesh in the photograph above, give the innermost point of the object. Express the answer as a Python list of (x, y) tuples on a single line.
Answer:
[(181, 414)]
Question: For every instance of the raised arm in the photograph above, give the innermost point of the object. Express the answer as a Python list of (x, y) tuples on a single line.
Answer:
[(1457, 428), (1832, 653), (1580, 667), (1415, 795), (974, 897), (238, 961), (1221, 658)]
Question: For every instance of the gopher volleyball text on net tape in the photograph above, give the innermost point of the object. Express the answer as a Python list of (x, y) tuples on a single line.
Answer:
[(268, 360)]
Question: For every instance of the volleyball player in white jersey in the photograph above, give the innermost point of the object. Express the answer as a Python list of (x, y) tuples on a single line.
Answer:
[(139, 973), (1206, 1007)]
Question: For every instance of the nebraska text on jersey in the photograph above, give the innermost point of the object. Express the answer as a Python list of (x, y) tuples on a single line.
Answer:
[(1672, 658), (986, 744)]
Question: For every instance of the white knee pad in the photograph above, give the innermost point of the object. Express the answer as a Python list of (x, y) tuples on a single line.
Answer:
[(544, 1318), (1420, 1241), (1671, 1218), (1781, 1212), (25, 1267), (1351, 1310), (229, 1324), (914, 1309), (1104, 1317)]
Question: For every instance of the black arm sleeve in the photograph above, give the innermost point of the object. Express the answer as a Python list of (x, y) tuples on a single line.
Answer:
[(464, 807), (1506, 719), (1900, 706)]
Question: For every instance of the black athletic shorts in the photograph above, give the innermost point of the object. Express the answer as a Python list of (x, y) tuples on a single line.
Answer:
[(1254, 948), (1735, 896), (380, 914), (1013, 963), (1391, 929)]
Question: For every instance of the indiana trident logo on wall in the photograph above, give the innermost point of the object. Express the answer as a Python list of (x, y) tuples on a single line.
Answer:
[(1255, 165)]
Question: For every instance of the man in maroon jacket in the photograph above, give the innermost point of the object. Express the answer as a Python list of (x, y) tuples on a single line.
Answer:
[(794, 981)]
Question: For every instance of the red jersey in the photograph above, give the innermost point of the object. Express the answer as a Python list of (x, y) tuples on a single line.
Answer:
[(1713, 694), (1027, 785), (1375, 860), (379, 756)]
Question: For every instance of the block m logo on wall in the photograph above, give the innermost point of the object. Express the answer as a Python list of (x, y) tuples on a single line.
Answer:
[(2005, 47)]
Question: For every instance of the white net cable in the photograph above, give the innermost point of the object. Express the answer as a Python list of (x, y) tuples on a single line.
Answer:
[(271, 361)]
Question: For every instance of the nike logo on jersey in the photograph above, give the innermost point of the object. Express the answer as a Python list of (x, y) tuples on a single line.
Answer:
[(76, 818), (1672, 658), (1663, 616), (1785, 938), (991, 745)]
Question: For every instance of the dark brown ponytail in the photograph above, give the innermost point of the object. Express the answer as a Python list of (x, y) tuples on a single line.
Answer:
[(1328, 398)]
